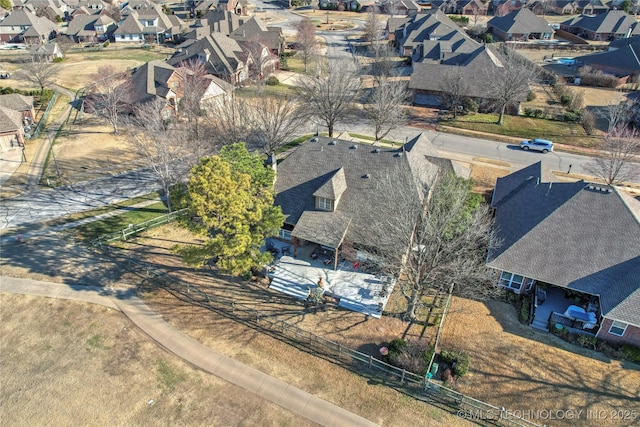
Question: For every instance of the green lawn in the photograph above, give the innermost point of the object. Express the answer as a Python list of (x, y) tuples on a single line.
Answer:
[(116, 223), (525, 127)]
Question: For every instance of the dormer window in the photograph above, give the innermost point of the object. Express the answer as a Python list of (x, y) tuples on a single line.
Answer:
[(324, 203)]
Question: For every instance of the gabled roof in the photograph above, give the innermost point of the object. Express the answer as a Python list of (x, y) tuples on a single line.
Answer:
[(433, 76), (42, 27), (514, 181), (221, 21), (221, 55), (85, 25), (614, 21), (626, 59), (256, 30), (10, 120), (46, 49), (22, 17), (151, 80), (324, 167), (424, 26), (574, 235), (522, 21), (130, 25)]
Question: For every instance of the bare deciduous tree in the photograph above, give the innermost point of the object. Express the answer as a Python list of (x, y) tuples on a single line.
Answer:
[(328, 96), (263, 59), (617, 160), (38, 70), (373, 30), (226, 121), (457, 88), (107, 97), (439, 239), (385, 106), (509, 82), (307, 41), (383, 63), (160, 144), (273, 121), (193, 85)]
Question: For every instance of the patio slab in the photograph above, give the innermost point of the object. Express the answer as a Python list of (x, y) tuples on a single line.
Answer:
[(357, 290)]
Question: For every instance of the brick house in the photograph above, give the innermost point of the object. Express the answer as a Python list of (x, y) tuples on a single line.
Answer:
[(615, 24), (575, 248), (521, 25)]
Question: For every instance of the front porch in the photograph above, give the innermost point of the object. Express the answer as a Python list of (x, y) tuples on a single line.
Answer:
[(356, 289), (558, 306)]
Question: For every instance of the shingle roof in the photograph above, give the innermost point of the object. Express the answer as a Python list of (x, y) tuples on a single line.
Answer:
[(625, 58), (16, 102), (573, 235), (224, 54), (334, 187), (85, 25), (313, 164), (150, 80), (614, 21), (10, 120), (522, 21), (432, 76)]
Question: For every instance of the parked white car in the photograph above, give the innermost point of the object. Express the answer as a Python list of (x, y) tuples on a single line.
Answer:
[(541, 145)]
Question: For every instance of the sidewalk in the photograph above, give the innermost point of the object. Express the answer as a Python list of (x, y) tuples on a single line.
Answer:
[(192, 351)]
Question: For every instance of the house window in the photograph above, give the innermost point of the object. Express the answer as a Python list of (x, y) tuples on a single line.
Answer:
[(284, 234), (514, 281), (324, 203), (618, 328)]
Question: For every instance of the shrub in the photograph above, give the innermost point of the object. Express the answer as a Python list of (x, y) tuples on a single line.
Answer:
[(525, 309), (573, 116), (459, 361), (587, 341), (631, 353), (591, 77), (531, 96), (413, 356), (463, 20), (588, 122), (105, 44), (273, 81), (57, 60), (565, 99), (471, 105), (486, 37)]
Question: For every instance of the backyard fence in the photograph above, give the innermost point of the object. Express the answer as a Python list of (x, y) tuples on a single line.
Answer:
[(134, 229), (418, 386), (45, 115)]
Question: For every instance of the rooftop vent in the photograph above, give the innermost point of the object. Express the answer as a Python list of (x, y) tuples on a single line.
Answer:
[(333, 142), (354, 147)]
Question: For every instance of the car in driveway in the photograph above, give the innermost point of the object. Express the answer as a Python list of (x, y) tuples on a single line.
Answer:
[(542, 145)]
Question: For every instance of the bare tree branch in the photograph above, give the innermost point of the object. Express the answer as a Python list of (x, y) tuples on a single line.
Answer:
[(619, 157), (385, 106), (38, 70), (307, 41), (108, 96), (328, 96)]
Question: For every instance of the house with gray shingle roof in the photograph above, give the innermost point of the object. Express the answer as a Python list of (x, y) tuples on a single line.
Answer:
[(520, 25), (615, 24), (327, 187), (157, 79), (90, 28), (24, 26), (576, 240), (622, 59), (222, 56), (21, 103), (49, 51), (11, 129), (145, 21)]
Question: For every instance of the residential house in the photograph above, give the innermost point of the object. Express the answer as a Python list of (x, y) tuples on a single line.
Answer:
[(146, 21), (622, 59), (519, 25), (235, 6), (591, 7), (222, 56), (434, 81), (575, 247), (430, 35), (21, 103), (11, 129), (614, 24), (460, 7), (202, 7), (255, 30), (400, 7), (50, 51), (157, 79), (327, 189), (563, 7), (90, 28), (504, 7), (24, 26), (53, 10)]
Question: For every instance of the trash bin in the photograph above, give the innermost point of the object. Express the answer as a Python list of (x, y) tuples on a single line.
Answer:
[(434, 369)]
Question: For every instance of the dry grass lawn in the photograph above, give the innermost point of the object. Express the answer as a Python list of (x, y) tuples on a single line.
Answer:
[(74, 74), (72, 363), (524, 370)]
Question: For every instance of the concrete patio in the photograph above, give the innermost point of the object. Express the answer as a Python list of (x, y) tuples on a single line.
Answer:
[(357, 290)]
